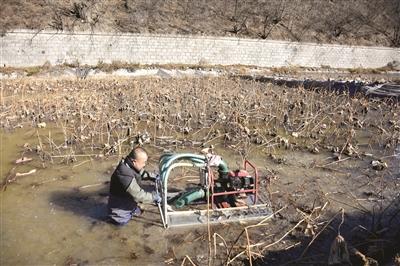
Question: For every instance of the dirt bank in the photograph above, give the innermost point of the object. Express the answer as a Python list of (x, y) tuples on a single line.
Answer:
[(352, 22)]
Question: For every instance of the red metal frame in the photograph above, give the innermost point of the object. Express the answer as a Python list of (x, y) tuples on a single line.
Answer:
[(253, 190)]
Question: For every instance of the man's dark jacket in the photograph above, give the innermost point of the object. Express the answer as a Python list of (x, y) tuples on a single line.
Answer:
[(125, 192)]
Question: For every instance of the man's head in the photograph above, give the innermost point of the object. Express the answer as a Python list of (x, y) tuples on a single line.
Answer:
[(138, 156)]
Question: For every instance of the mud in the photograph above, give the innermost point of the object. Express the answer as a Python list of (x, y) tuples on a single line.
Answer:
[(314, 147)]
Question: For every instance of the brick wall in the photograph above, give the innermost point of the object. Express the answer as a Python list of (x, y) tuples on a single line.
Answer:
[(28, 48)]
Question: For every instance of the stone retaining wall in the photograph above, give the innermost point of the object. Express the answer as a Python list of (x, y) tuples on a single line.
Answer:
[(27, 48)]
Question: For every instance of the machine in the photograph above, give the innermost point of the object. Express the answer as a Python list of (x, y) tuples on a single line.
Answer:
[(214, 195)]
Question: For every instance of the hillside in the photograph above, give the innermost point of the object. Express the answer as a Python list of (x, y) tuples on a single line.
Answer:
[(357, 22)]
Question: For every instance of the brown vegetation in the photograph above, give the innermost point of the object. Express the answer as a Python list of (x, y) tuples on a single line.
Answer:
[(101, 117), (362, 22), (105, 114)]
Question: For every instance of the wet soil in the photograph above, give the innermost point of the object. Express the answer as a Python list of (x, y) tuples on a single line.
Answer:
[(57, 215)]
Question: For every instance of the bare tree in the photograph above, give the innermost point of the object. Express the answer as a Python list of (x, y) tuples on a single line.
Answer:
[(273, 14), (239, 17), (386, 20)]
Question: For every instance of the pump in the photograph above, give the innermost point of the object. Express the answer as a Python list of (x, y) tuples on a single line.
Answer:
[(220, 194)]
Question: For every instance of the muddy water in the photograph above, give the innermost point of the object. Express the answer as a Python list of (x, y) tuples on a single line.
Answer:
[(54, 217), (46, 219), (57, 215)]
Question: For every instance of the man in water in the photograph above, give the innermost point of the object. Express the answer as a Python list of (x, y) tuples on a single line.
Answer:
[(126, 190)]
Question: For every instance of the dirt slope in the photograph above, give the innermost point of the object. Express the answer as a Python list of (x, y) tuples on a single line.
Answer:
[(361, 22)]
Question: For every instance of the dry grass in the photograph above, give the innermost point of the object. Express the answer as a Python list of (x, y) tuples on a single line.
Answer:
[(115, 65), (103, 116), (287, 70), (378, 70), (108, 113), (352, 22)]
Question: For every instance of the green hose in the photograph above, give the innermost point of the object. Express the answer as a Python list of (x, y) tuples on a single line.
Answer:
[(189, 197), (223, 169), (167, 160)]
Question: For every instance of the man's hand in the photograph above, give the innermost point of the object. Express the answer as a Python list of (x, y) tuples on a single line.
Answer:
[(156, 197)]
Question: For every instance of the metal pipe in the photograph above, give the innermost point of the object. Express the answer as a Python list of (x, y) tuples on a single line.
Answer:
[(164, 180)]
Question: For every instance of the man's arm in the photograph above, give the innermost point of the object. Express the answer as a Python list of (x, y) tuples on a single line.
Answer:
[(139, 194)]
